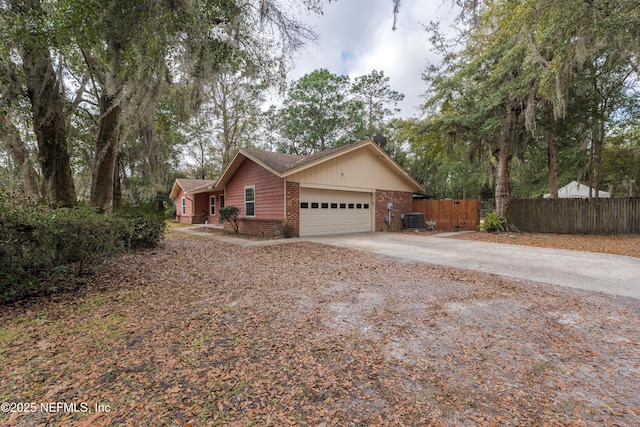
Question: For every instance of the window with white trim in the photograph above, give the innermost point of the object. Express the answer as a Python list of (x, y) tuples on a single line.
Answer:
[(212, 205), (184, 206), (250, 201)]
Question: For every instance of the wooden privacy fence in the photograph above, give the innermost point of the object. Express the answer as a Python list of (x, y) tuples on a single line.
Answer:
[(450, 214), (576, 216)]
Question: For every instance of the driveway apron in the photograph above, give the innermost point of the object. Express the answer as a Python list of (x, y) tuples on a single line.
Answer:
[(612, 274)]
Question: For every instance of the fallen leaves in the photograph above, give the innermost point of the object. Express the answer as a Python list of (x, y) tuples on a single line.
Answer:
[(617, 245), (205, 333)]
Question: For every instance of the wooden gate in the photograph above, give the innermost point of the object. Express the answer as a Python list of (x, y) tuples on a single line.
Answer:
[(454, 215)]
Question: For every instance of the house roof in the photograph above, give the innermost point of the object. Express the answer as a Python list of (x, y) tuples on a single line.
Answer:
[(575, 190), (189, 185), (279, 162), (283, 164)]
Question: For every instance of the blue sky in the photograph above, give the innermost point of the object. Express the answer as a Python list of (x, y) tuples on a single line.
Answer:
[(356, 37)]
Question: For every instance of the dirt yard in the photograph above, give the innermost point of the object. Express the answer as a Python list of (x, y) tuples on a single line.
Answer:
[(205, 333), (618, 245)]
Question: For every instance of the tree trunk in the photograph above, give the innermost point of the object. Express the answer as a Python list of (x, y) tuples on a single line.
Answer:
[(117, 185), (18, 152), (503, 153), (636, 185), (104, 165), (47, 106), (550, 137), (597, 144)]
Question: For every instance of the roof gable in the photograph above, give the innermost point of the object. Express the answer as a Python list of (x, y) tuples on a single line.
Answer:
[(189, 185), (365, 167), (283, 165), (278, 162), (575, 190)]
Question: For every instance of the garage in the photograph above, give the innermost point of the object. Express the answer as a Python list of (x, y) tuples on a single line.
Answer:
[(325, 212)]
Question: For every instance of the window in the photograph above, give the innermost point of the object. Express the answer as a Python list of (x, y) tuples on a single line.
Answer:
[(351, 206), (314, 205), (184, 206), (325, 206), (221, 197), (366, 205), (304, 205), (250, 201), (334, 206), (358, 205), (212, 205), (343, 206)]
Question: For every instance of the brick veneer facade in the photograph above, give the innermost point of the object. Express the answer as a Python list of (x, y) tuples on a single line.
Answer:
[(293, 209), (259, 227), (402, 203)]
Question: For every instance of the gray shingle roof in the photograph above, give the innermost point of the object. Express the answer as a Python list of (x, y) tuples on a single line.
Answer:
[(279, 162), (188, 184), (282, 162)]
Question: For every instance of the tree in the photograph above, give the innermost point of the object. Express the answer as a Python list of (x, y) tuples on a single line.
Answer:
[(17, 149), (560, 66), (375, 94), (571, 41), (483, 90), (26, 29), (323, 110), (317, 114), (126, 55), (235, 101)]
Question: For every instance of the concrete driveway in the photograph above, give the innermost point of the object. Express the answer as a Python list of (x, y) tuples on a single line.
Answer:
[(612, 274)]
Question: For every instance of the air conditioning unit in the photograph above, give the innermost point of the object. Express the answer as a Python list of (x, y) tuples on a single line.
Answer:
[(414, 220)]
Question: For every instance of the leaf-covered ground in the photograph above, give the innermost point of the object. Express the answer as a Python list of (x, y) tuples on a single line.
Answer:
[(618, 245), (200, 332)]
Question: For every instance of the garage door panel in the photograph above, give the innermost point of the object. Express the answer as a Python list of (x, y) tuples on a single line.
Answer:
[(325, 212)]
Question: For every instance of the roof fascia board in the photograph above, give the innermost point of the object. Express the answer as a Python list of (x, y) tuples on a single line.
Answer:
[(173, 190)]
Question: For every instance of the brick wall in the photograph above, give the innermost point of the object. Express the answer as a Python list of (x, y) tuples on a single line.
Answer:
[(259, 227), (293, 210), (402, 204)]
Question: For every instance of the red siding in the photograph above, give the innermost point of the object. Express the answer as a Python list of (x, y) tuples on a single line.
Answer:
[(201, 210), (213, 219), (269, 190), (186, 218), (195, 213)]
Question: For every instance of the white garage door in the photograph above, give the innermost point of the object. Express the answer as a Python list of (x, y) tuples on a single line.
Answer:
[(334, 212)]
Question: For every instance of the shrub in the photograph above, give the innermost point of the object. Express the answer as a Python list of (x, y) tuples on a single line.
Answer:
[(493, 223), (230, 213), (37, 242), (170, 213), (141, 226)]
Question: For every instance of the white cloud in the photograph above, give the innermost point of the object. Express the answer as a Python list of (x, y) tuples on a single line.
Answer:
[(357, 38)]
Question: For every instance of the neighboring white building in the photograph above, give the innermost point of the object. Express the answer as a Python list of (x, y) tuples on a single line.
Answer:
[(575, 190)]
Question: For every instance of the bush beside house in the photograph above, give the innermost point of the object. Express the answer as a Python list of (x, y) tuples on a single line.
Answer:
[(37, 242)]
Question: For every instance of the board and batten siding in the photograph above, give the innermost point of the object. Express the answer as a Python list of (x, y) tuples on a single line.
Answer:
[(359, 169), (269, 190)]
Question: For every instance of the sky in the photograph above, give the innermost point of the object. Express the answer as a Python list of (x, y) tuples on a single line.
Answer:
[(356, 37)]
